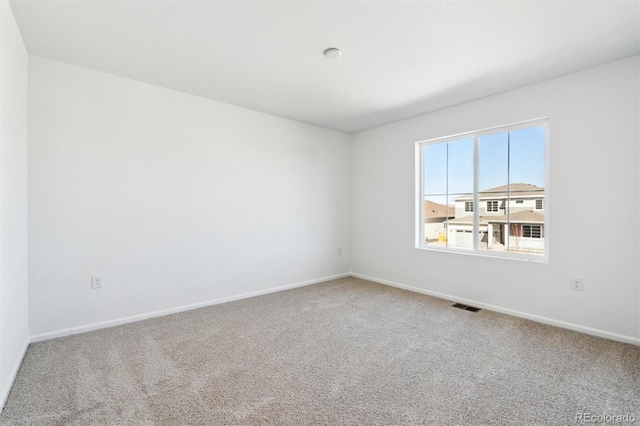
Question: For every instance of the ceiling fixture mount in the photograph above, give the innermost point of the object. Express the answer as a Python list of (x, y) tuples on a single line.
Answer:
[(332, 53)]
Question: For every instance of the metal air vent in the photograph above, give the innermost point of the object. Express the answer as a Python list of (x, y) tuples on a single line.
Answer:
[(465, 307)]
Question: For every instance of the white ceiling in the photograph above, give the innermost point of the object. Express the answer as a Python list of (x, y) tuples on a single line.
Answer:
[(400, 58)]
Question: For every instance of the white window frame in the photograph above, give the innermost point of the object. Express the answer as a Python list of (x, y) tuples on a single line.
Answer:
[(468, 206), (476, 251), (492, 203)]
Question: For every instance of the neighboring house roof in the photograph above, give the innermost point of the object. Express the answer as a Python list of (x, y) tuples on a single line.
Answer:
[(525, 216), (464, 220), (513, 190), (433, 210)]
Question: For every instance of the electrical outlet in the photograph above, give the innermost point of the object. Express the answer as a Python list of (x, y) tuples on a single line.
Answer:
[(576, 283), (96, 281)]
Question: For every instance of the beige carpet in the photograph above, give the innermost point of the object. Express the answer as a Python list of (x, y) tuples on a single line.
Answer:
[(343, 352)]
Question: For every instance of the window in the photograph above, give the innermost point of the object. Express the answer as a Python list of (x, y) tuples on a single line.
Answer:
[(532, 231), (500, 168)]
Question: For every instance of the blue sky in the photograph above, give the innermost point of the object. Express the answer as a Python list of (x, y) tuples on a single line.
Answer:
[(516, 157)]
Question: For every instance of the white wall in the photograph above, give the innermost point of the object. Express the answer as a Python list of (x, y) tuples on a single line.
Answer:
[(594, 117), (174, 199), (14, 315)]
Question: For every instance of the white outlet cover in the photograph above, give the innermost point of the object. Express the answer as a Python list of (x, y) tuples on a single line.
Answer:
[(96, 281), (576, 283)]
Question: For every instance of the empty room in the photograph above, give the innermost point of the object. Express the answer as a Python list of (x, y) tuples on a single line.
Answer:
[(305, 212)]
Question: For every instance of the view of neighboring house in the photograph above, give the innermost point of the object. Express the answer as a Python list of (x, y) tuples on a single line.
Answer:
[(435, 217), (511, 217)]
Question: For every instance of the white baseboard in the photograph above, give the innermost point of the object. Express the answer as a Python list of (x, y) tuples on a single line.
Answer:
[(14, 372), (520, 314), (140, 317), (112, 323)]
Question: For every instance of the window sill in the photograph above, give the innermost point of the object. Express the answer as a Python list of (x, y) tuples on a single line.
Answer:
[(505, 256)]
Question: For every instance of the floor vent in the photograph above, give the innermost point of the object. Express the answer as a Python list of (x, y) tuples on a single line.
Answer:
[(465, 307)]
